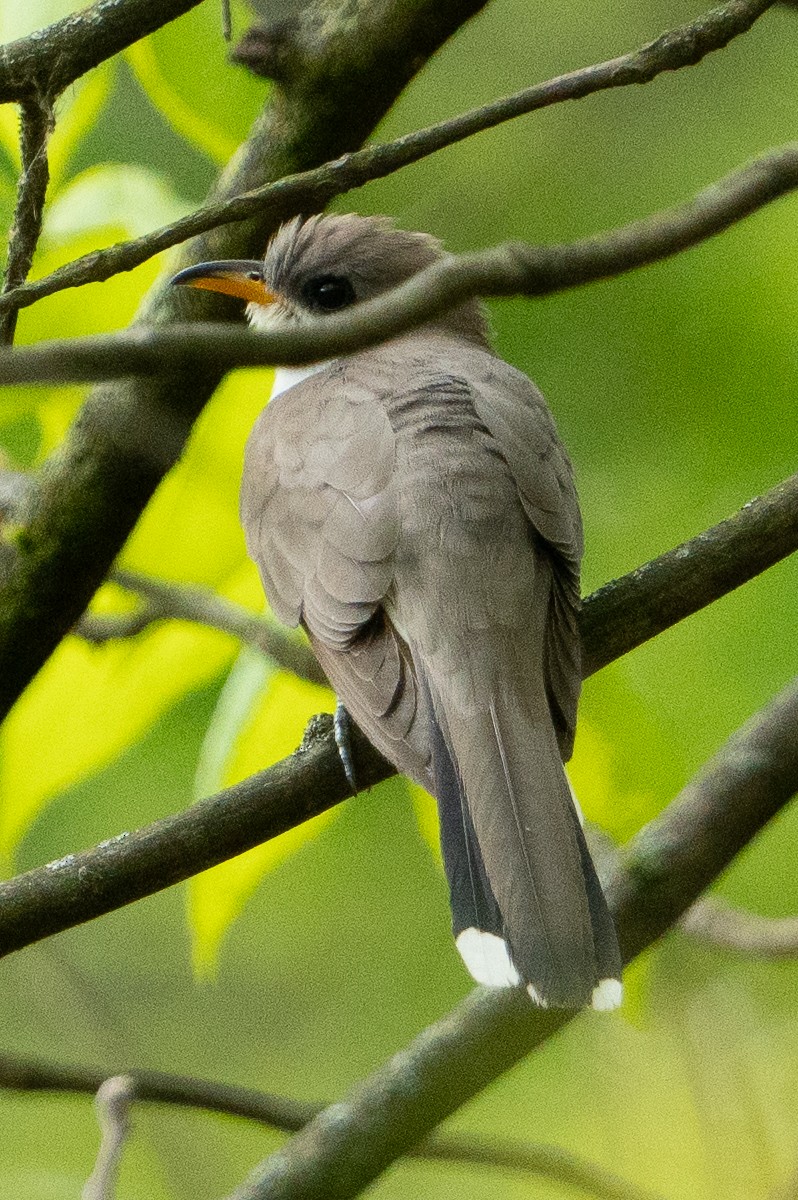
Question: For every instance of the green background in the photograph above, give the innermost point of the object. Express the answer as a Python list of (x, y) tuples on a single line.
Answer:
[(300, 969)]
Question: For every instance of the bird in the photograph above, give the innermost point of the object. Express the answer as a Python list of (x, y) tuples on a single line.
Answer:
[(412, 506)]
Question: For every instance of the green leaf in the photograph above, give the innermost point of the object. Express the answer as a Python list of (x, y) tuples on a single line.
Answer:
[(253, 727), (200, 131), (602, 787), (248, 679), (126, 199), (426, 811), (185, 72), (77, 111), (89, 704), (9, 137)]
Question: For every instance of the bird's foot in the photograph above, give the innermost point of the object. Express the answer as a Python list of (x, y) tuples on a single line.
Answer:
[(342, 728)]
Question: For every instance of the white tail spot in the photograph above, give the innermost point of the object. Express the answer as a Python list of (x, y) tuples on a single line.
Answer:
[(607, 995), (487, 958)]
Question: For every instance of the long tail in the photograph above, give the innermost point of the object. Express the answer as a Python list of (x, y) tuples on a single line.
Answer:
[(527, 905)]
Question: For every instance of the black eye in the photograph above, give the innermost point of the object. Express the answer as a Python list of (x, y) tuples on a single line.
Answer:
[(328, 292), (254, 275)]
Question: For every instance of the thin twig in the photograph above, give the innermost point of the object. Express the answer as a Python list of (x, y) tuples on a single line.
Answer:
[(112, 1102), (310, 191), (227, 21), (714, 922), (37, 122), (186, 602), (46, 62), (568, 1169), (99, 628), (664, 869), (279, 1112), (511, 269), (82, 886)]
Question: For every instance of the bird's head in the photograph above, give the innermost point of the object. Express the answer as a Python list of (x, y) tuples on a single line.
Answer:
[(322, 264)]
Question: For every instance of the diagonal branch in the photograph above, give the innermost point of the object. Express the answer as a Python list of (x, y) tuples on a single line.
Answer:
[(512, 269), (37, 124), (48, 61), (310, 191), (280, 1112), (670, 862), (82, 886)]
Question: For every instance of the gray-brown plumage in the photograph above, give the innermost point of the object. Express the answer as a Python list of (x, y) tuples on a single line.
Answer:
[(413, 507)]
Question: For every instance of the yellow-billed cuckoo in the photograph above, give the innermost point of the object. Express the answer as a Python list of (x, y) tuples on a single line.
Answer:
[(412, 506)]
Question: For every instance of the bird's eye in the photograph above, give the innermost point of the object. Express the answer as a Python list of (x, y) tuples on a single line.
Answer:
[(328, 292), (255, 276)]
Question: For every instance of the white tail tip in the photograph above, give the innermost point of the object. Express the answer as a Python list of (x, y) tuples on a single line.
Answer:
[(487, 958), (607, 995)]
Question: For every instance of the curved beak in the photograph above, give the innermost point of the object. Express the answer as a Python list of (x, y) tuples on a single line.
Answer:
[(240, 277)]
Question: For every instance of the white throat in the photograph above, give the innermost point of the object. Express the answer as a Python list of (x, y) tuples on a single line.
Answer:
[(286, 377), (276, 316)]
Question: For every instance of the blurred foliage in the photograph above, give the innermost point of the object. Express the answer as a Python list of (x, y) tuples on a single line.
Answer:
[(320, 954)]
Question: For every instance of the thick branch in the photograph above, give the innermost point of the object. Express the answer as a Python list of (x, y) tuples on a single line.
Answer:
[(48, 61), (310, 191), (36, 125), (83, 886), (664, 870), (353, 59), (512, 269), (288, 1115), (714, 922)]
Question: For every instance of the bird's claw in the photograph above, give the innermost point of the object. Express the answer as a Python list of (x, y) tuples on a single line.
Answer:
[(342, 728)]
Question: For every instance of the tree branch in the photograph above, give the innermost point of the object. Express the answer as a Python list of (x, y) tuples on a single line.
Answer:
[(352, 59), (112, 1102), (202, 606), (714, 922), (511, 269), (82, 886), (48, 61), (37, 122), (310, 191), (289, 1116), (670, 862)]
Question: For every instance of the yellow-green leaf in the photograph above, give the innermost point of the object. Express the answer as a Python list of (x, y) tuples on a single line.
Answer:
[(271, 728), (193, 126), (78, 109), (426, 811), (86, 706)]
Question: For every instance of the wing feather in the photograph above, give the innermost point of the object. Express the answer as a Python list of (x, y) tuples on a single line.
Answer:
[(320, 513), (518, 419)]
